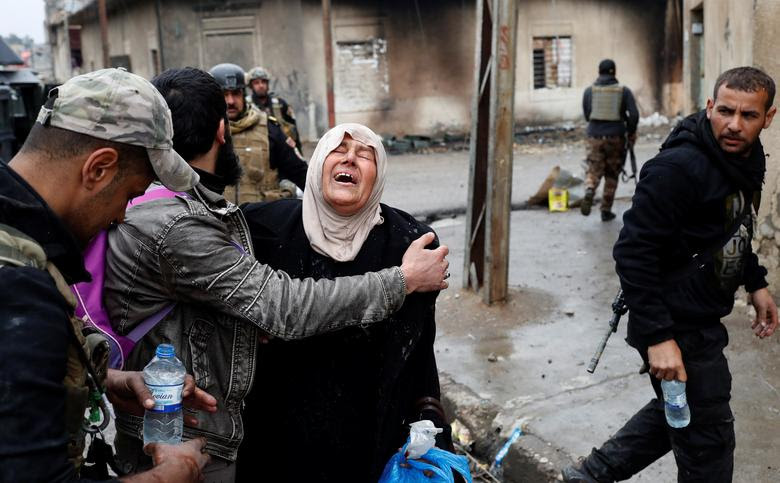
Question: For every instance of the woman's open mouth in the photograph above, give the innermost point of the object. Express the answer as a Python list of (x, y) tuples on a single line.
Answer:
[(344, 177)]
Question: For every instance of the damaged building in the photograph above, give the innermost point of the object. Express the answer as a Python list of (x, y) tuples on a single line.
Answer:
[(401, 67)]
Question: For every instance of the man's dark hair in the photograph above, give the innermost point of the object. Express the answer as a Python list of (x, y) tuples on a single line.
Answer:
[(197, 105), (56, 144), (747, 79)]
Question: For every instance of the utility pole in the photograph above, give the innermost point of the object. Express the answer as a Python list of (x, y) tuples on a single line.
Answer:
[(486, 258), (104, 32), (327, 31)]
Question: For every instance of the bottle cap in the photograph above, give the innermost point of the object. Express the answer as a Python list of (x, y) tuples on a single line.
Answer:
[(165, 351)]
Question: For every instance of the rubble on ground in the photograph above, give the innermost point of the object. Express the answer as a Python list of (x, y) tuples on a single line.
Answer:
[(528, 139)]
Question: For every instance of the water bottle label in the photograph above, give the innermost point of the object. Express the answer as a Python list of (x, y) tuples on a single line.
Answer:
[(674, 406), (677, 402), (167, 398)]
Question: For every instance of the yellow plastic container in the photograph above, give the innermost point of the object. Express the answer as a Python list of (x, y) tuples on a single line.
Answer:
[(558, 199)]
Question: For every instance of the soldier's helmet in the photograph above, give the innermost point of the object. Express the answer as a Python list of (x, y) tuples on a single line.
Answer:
[(258, 73), (229, 76)]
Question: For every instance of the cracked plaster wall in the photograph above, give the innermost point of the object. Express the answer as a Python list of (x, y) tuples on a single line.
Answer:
[(428, 53), (767, 21)]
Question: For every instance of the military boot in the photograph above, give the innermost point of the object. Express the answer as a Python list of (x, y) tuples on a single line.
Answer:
[(576, 474), (607, 216), (587, 201)]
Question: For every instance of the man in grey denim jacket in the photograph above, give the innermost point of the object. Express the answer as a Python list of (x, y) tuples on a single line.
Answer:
[(193, 250)]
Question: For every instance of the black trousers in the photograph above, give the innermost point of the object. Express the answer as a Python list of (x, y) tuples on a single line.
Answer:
[(704, 450)]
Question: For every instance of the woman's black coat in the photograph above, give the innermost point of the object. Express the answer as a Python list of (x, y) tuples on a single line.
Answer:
[(336, 407)]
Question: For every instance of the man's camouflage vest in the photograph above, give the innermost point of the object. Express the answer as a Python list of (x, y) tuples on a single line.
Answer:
[(605, 102), (259, 182), (86, 351)]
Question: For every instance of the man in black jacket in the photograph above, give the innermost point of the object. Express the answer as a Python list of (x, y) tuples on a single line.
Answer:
[(98, 142), (684, 249), (611, 113)]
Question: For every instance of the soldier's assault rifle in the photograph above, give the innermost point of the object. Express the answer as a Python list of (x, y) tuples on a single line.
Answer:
[(632, 158), (618, 309)]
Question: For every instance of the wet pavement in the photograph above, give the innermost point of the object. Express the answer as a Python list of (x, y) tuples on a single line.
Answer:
[(436, 183), (529, 355)]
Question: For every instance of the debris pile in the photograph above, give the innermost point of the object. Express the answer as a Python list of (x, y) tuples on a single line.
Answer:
[(416, 143), (653, 120)]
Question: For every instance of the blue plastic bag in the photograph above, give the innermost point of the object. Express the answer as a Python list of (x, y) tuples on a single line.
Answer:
[(400, 469)]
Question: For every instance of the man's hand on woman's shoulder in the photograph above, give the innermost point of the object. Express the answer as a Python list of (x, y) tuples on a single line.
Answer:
[(425, 270)]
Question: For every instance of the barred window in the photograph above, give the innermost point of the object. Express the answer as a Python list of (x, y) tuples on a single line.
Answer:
[(361, 75), (552, 62)]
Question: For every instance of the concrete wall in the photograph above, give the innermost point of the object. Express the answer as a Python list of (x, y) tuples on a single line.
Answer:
[(181, 40), (274, 33), (60, 51), (428, 59), (419, 99), (430, 55), (727, 42), (629, 33), (765, 25), (427, 62), (402, 66), (132, 32)]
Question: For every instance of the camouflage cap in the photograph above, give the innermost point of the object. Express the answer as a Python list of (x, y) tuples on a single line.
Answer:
[(115, 105)]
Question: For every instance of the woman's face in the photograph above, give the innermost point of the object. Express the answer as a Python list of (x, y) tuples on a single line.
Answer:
[(348, 176)]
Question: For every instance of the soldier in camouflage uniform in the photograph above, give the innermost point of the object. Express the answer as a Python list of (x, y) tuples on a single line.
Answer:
[(611, 113), (272, 169), (259, 82), (100, 139)]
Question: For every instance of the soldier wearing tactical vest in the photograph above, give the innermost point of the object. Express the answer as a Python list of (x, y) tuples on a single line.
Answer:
[(99, 141), (259, 81), (271, 167), (612, 118)]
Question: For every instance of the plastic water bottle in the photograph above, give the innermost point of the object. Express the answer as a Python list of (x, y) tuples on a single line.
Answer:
[(678, 414), (164, 376), (496, 468)]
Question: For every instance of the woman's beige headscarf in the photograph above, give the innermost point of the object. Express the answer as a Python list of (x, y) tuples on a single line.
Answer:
[(330, 234)]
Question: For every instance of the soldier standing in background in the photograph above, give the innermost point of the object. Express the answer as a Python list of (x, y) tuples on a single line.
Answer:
[(272, 169), (611, 113), (259, 81)]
